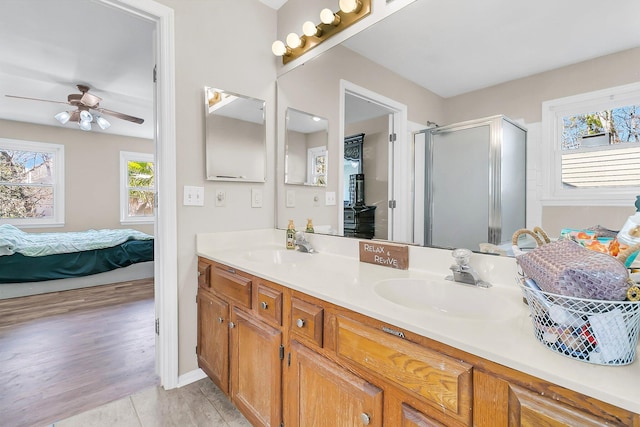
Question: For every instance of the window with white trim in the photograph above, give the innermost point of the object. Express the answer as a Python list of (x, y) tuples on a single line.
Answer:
[(592, 147), (137, 188), (31, 183)]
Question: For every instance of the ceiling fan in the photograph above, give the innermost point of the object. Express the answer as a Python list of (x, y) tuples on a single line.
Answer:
[(84, 102)]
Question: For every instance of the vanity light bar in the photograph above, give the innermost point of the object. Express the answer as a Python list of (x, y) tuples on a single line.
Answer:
[(310, 39)]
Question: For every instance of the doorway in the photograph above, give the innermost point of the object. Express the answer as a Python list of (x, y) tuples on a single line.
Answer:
[(385, 158)]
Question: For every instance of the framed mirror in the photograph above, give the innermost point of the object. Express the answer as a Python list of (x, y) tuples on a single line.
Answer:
[(306, 152), (235, 136)]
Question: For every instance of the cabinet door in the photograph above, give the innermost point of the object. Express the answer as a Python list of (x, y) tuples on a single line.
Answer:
[(322, 394), (499, 403), (213, 338), (256, 369)]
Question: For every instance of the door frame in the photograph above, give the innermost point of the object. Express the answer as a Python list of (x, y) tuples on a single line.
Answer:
[(165, 229), (401, 217)]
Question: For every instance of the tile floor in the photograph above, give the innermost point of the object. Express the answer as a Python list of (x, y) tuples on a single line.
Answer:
[(197, 404)]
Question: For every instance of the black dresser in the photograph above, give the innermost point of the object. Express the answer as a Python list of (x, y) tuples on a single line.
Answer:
[(359, 221)]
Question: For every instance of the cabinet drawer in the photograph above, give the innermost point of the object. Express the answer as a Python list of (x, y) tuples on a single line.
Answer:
[(436, 379), (306, 321), (268, 302), (204, 274), (232, 284)]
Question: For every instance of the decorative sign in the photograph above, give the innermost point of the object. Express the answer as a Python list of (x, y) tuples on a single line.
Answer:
[(386, 254)]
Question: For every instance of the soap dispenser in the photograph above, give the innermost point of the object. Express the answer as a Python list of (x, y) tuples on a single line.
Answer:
[(291, 235), (309, 228)]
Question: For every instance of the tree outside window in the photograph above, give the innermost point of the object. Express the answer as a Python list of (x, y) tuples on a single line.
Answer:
[(138, 192)]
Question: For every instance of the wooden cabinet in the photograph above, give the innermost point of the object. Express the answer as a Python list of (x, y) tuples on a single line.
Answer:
[(256, 369), (213, 338), (499, 401), (285, 357), (320, 393)]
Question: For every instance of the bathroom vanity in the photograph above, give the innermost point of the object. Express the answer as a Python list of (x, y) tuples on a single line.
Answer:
[(324, 339)]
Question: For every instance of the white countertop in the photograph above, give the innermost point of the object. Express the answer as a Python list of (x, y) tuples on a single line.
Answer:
[(336, 275)]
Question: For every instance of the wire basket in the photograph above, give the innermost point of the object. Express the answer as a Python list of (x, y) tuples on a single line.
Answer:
[(593, 331)]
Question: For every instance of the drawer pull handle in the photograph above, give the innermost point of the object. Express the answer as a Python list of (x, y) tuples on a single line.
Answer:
[(366, 419), (199, 273), (231, 270), (232, 325), (220, 320), (264, 305), (300, 323)]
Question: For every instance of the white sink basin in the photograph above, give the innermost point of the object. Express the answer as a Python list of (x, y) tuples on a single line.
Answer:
[(277, 256), (448, 298)]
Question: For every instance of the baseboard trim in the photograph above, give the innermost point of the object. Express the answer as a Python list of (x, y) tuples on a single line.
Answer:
[(191, 377)]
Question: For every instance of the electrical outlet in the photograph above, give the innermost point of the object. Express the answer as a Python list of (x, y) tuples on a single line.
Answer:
[(221, 198), (256, 198), (193, 196), (291, 198)]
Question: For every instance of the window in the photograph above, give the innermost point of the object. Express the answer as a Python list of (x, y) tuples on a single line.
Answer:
[(31, 183), (137, 188), (592, 147)]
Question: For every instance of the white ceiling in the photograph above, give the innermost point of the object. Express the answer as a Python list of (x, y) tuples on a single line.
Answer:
[(450, 47), (457, 46)]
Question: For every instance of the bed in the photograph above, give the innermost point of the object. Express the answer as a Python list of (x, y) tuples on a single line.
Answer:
[(47, 262)]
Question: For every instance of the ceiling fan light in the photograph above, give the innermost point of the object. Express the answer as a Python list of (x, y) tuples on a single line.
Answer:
[(85, 124), (102, 122), (85, 115), (63, 117)]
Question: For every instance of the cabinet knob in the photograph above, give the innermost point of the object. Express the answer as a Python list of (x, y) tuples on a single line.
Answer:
[(300, 323), (232, 325), (199, 273), (264, 305), (366, 419), (220, 320)]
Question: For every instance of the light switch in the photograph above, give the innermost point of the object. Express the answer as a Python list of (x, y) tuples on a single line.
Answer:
[(193, 196), (291, 198), (330, 198), (221, 198), (256, 198)]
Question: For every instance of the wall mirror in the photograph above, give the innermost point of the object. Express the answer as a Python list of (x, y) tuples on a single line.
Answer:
[(357, 60), (235, 136), (306, 152)]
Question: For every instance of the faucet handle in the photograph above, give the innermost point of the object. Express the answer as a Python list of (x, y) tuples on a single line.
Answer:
[(461, 256)]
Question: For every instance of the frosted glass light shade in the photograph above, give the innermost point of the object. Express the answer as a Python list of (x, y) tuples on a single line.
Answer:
[(348, 6), (85, 124), (293, 40), (102, 122), (278, 48), (63, 117), (309, 29), (328, 17), (85, 116)]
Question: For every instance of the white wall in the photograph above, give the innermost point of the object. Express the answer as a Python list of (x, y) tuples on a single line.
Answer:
[(223, 44), (92, 167)]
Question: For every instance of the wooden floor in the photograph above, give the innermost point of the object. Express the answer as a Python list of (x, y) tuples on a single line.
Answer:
[(66, 352)]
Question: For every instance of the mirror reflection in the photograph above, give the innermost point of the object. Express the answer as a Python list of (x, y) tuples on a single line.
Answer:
[(443, 93), (235, 136), (306, 154)]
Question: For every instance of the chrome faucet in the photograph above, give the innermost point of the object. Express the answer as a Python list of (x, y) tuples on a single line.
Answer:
[(302, 243), (463, 272)]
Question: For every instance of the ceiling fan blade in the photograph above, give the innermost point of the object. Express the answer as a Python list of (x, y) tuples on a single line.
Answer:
[(37, 99), (121, 116), (90, 100)]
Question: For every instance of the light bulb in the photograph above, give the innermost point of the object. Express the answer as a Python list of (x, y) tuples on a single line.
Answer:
[(293, 40), (328, 17), (278, 48), (102, 122), (85, 124), (85, 116), (310, 29), (63, 117), (348, 6)]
